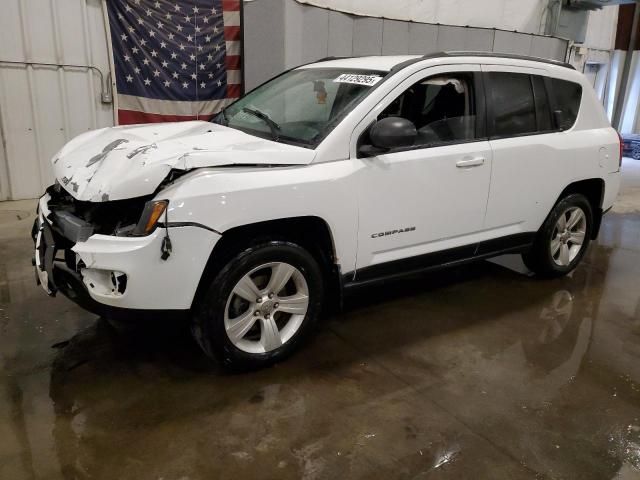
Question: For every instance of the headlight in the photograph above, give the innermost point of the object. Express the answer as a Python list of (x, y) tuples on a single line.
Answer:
[(151, 214)]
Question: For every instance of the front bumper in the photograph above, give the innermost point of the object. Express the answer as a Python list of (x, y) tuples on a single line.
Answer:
[(122, 272)]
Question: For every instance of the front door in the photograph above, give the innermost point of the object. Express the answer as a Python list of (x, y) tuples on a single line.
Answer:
[(426, 204)]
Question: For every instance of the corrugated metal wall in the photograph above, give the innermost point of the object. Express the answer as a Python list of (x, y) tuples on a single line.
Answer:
[(281, 34), (42, 107)]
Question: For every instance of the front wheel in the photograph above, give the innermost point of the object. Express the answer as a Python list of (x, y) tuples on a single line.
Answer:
[(563, 239), (260, 307)]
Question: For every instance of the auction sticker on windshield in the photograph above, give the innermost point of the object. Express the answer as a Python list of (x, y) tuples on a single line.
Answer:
[(366, 80)]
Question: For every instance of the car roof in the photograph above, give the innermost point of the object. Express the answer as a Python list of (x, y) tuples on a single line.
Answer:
[(389, 62)]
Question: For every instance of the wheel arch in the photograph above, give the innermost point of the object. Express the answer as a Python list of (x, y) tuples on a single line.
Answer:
[(310, 232), (593, 190)]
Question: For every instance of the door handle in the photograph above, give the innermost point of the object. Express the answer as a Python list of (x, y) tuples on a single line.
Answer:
[(470, 162)]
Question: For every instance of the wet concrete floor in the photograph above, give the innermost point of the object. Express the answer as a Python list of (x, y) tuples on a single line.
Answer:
[(479, 372)]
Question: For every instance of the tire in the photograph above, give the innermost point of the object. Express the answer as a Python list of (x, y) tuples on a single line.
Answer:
[(555, 253), (223, 324)]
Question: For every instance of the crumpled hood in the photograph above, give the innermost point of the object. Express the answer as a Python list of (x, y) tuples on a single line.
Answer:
[(126, 162)]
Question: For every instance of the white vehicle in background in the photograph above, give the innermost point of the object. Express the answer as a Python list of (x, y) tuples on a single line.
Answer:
[(331, 176)]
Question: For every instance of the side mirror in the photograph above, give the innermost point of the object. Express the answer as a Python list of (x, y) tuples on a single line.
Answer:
[(389, 133)]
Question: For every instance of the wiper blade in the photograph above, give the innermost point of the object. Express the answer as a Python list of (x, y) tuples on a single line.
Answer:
[(273, 126)]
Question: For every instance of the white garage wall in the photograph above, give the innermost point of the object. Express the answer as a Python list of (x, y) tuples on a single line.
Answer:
[(42, 107), (281, 34), (521, 15)]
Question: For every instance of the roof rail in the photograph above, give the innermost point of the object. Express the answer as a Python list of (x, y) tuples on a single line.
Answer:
[(462, 53)]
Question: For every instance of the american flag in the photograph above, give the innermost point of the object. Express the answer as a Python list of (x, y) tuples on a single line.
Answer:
[(174, 60)]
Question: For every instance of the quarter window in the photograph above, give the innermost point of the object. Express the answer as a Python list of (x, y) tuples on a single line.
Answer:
[(511, 99), (567, 95), (441, 107)]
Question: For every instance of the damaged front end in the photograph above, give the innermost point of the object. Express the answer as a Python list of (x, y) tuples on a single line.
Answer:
[(64, 222)]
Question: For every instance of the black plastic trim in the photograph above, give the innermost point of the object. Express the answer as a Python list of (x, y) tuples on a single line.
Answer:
[(186, 224), (452, 54), (437, 260)]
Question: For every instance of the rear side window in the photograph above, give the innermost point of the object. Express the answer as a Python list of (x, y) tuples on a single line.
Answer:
[(513, 104), (567, 98)]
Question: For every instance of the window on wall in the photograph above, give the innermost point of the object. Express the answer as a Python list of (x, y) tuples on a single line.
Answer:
[(441, 107), (568, 96), (513, 104)]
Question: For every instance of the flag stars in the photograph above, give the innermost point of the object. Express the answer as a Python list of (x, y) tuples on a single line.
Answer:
[(185, 84), (168, 16), (143, 42), (171, 35), (176, 7), (128, 8), (215, 29), (157, 4), (165, 64), (127, 58), (218, 47), (129, 78), (135, 50), (183, 66), (210, 75), (137, 70), (219, 83), (147, 81), (194, 76), (160, 24), (196, 9), (154, 53), (200, 48), (179, 28), (149, 12), (175, 75), (197, 29), (213, 11), (192, 57), (187, 19), (146, 61), (205, 19), (152, 33), (174, 55), (202, 66), (202, 85), (156, 73), (167, 83), (140, 21), (207, 38), (124, 37), (218, 65), (163, 44), (190, 38), (181, 47), (131, 29)]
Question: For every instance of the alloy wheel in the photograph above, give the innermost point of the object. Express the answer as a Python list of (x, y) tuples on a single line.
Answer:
[(568, 236), (266, 307)]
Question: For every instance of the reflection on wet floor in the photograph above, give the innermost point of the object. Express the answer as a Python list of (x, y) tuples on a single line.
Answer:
[(476, 372)]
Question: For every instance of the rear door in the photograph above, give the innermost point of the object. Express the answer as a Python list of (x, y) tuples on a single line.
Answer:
[(530, 166)]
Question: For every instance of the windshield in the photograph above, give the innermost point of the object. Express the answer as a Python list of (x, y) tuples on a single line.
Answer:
[(300, 107)]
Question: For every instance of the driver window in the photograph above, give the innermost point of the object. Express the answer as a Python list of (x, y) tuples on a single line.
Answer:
[(441, 107)]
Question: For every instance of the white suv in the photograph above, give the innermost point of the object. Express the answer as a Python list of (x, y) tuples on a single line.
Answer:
[(329, 177)]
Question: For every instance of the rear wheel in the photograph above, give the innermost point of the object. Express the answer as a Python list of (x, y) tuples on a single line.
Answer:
[(563, 239), (261, 305)]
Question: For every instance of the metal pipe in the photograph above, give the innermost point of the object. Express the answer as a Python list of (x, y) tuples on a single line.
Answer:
[(104, 86), (624, 81)]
